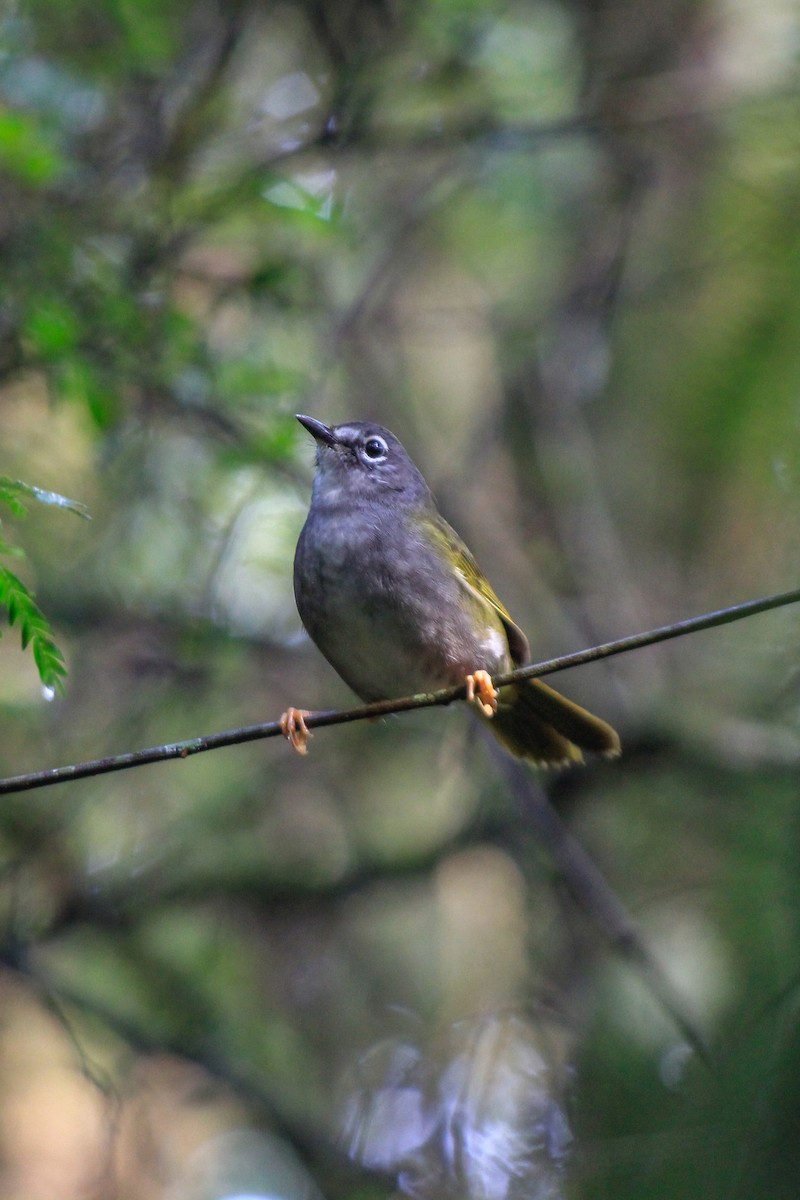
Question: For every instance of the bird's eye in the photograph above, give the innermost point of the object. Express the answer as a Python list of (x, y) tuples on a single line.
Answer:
[(375, 448)]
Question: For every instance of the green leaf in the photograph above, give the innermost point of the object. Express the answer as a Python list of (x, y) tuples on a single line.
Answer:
[(18, 601), (51, 328), (148, 30), (35, 629), (9, 497), (11, 489), (27, 149), (78, 381)]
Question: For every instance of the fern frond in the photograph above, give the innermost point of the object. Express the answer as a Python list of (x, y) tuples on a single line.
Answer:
[(12, 489), (18, 601), (35, 629)]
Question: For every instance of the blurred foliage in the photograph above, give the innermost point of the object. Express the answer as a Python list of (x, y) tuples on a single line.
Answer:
[(554, 247)]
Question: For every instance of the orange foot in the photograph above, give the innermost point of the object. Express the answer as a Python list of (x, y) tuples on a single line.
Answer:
[(294, 728), (481, 691)]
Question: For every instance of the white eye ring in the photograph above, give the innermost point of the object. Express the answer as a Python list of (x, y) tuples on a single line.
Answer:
[(375, 448)]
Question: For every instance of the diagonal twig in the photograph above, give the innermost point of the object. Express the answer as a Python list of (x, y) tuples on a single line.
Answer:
[(595, 897), (316, 720)]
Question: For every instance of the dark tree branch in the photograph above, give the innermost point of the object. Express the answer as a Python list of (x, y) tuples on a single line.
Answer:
[(382, 708), (592, 894)]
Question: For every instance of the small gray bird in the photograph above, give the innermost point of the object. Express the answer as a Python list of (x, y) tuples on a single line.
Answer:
[(397, 604)]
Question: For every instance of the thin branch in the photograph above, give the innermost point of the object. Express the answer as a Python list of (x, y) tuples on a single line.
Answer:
[(595, 897), (317, 720)]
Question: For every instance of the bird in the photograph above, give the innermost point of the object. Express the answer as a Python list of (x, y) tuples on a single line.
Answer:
[(397, 604)]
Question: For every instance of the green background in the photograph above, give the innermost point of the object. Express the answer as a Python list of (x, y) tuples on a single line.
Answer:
[(555, 248)]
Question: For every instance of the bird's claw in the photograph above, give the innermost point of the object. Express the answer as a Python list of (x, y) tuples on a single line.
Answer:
[(481, 691), (295, 730)]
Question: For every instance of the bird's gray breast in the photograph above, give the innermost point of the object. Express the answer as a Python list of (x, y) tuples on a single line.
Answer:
[(385, 609)]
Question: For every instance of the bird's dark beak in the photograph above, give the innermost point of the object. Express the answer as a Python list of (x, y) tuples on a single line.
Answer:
[(322, 433)]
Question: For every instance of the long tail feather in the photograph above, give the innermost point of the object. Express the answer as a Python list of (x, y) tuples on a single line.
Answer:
[(536, 722)]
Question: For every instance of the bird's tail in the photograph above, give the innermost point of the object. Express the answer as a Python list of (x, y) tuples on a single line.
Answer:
[(534, 721)]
